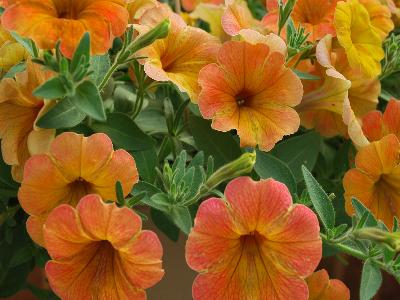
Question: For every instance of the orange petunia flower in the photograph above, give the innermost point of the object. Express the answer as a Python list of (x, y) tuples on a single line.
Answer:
[(237, 16), (315, 16), (321, 287), (19, 111), (252, 91), (180, 56), (99, 251), (376, 125), (190, 5), (380, 16), (322, 104), (52, 20), (375, 181), (74, 167), (254, 245)]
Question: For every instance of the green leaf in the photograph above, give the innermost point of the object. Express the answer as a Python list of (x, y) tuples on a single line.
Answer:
[(390, 85), (268, 166), (298, 151), (26, 43), (88, 100), (124, 133), (163, 223), (218, 144), (63, 115), (15, 69), (146, 162), (182, 218), (99, 64), (51, 89), (364, 213), (120, 193), (320, 200), (371, 280), (83, 49)]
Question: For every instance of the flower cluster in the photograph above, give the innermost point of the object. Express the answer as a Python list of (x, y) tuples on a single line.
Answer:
[(108, 108)]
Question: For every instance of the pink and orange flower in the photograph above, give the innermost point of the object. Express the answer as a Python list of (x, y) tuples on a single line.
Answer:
[(315, 16), (252, 91), (74, 167), (51, 21), (179, 57), (254, 245), (375, 180), (19, 110), (190, 5), (321, 287), (376, 125), (99, 251)]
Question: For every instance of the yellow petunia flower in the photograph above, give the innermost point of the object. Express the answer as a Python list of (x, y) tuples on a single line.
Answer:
[(359, 38)]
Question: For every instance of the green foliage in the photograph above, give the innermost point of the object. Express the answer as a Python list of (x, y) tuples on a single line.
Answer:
[(371, 280), (221, 146), (268, 166), (285, 11), (320, 200)]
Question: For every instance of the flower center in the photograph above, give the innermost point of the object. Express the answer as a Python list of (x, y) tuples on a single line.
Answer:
[(305, 12), (241, 98), (67, 9), (250, 243), (78, 189), (386, 190)]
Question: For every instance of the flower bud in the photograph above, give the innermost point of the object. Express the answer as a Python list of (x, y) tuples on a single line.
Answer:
[(389, 239), (243, 165), (158, 32)]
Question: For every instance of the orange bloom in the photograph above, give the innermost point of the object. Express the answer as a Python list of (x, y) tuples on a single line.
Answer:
[(237, 16), (190, 5), (254, 245), (252, 91), (99, 251), (67, 21), (376, 125), (376, 179), (137, 8), (19, 111), (322, 104), (181, 55), (380, 16), (315, 16), (321, 288), (74, 167)]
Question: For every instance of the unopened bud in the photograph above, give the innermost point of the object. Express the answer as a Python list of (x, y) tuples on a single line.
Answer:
[(243, 165), (158, 32), (389, 239)]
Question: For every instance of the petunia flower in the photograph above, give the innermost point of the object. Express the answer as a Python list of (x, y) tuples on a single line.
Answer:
[(52, 20), (359, 38), (375, 180), (380, 17), (316, 16), (11, 52), (74, 167), (252, 91), (99, 251), (137, 8), (181, 55), (376, 125), (254, 245), (321, 287), (237, 16), (190, 5), (19, 110), (322, 104)]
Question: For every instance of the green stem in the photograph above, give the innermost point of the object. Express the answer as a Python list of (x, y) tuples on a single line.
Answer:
[(108, 75)]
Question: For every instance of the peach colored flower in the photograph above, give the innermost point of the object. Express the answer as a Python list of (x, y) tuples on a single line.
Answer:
[(252, 91), (375, 181), (359, 38), (137, 8), (316, 16), (74, 167), (19, 111), (254, 245), (212, 14), (52, 20), (180, 56), (380, 17), (237, 16), (321, 287), (190, 5), (99, 251), (322, 104)]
